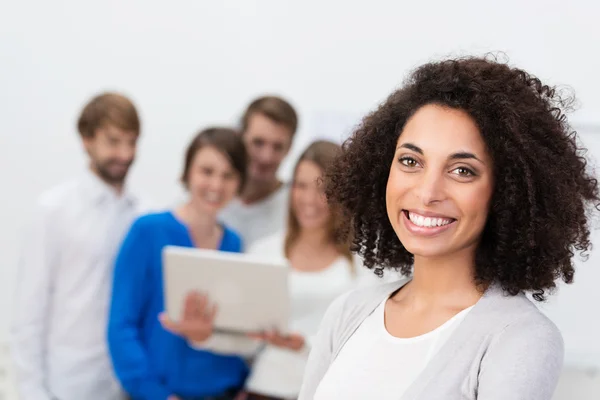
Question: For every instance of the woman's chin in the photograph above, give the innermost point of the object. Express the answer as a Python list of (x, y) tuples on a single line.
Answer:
[(426, 250)]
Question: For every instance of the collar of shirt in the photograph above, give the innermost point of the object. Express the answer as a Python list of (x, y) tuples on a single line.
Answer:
[(99, 191)]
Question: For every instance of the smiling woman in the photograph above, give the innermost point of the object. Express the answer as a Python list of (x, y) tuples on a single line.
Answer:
[(153, 357), (320, 270), (469, 181)]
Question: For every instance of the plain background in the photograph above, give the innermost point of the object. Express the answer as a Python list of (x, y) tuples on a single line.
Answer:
[(188, 64)]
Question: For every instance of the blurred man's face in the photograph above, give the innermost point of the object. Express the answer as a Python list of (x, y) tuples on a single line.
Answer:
[(267, 143), (112, 151)]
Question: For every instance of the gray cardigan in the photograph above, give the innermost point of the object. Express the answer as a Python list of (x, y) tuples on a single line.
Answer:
[(504, 349)]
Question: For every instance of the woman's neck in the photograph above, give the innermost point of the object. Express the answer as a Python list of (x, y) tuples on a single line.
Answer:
[(203, 226), (312, 250), (316, 238), (448, 280)]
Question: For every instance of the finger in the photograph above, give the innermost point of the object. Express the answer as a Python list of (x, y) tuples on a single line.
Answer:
[(261, 335), (195, 306), (189, 307), (295, 337), (297, 340), (275, 338), (284, 340), (168, 324), (198, 305), (257, 336), (201, 300), (288, 340), (212, 312), (268, 335)]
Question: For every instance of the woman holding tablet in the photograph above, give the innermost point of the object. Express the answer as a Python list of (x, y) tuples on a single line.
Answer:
[(322, 269), (471, 181), (151, 362)]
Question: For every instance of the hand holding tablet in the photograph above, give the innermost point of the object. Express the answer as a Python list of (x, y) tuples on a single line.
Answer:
[(198, 319), (249, 291)]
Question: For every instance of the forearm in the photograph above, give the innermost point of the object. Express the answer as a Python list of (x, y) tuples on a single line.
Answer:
[(130, 293), (131, 365)]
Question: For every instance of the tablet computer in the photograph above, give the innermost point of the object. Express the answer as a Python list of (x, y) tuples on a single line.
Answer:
[(251, 291)]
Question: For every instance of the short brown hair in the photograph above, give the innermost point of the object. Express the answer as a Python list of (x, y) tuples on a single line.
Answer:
[(108, 109), (225, 140), (276, 109)]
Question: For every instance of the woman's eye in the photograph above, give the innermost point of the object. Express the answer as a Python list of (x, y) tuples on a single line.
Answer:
[(408, 161), (462, 171)]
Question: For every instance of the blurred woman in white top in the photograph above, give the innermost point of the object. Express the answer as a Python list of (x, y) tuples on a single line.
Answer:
[(322, 269)]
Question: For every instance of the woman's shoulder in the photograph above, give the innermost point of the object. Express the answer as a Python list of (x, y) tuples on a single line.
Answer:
[(533, 330), (152, 220), (520, 319), (524, 349)]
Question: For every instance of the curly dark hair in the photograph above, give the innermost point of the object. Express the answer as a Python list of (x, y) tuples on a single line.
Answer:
[(542, 192)]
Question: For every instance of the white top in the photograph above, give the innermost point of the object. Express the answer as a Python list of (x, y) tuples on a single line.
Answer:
[(504, 348), (277, 371), (373, 364), (258, 220), (58, 333)]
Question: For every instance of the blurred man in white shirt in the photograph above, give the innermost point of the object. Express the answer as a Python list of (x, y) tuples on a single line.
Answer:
[(268, 128), (58, 333)]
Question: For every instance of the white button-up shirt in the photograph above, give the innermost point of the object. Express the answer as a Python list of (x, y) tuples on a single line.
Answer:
[(58, 335)]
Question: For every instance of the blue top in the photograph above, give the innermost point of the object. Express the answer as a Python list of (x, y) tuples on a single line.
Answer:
[(150, 362)]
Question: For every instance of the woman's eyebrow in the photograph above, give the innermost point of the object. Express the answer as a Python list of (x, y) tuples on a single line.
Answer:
[(412, 147), (464, 155)]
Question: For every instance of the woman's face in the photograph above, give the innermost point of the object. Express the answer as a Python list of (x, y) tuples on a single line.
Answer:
[(440, 183), (212, 180), (309, 204)]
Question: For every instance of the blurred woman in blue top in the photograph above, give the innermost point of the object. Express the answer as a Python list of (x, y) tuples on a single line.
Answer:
[(153, 363)]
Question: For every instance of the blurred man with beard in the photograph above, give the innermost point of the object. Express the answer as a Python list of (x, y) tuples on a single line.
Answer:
[(58, 335)]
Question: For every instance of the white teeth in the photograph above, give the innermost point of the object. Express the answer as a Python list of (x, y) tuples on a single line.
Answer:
[(427, 222)]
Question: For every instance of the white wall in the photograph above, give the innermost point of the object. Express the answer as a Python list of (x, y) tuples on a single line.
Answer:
[(191, 63), (574, 308)]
